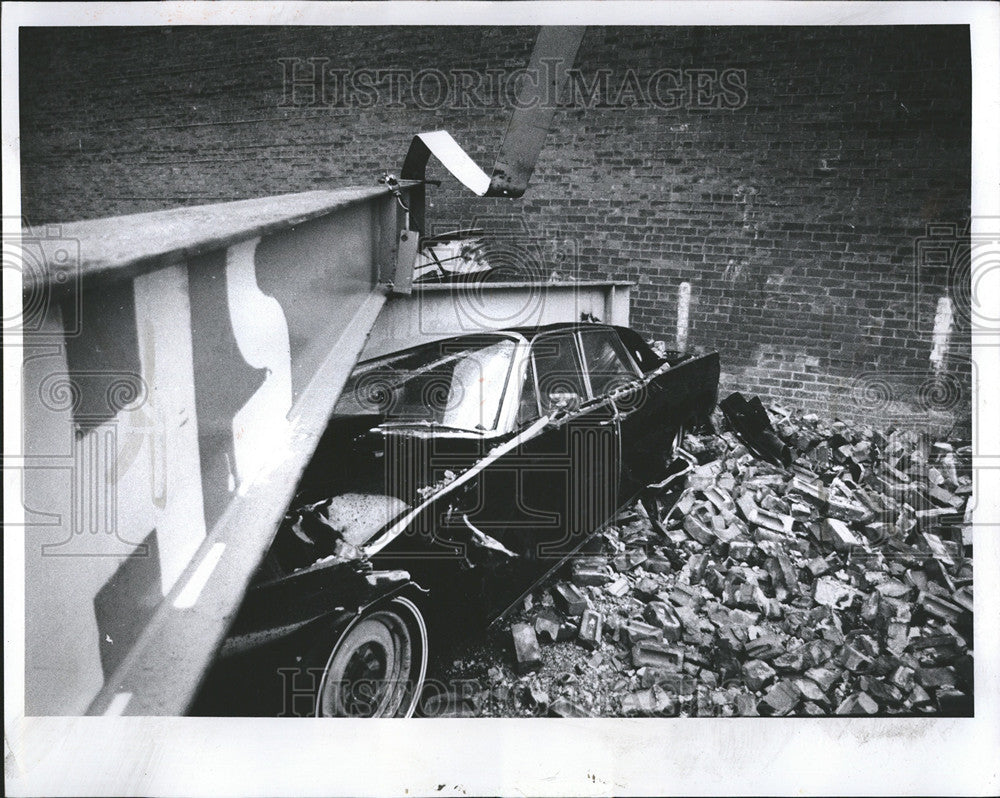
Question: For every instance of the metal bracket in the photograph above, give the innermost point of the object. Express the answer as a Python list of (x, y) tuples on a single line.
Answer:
[(406, 259)]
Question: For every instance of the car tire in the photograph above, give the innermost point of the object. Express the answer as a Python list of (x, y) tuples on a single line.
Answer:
[(377, 666)]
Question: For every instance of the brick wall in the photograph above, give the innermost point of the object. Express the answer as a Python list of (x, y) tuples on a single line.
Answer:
[(797, 216)]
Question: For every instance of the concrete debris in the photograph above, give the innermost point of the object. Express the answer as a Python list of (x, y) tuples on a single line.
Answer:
[(652, 701), (629, 559), (569, 599), (536, 696), (526, 649), (831, 592), (780, 700), (564, 708), (591, 571), (838, 534), (636, 631), (449, 705), (858, 704), (766, 647), (590, 629), (657, 565), (801, 568), (550, 627), (757, 674), (665, 618), (655, 654)]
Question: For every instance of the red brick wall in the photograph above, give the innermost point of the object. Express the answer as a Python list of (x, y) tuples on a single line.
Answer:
[(796, 217)]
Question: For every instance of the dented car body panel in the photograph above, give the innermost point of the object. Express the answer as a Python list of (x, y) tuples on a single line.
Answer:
[(530, 442)]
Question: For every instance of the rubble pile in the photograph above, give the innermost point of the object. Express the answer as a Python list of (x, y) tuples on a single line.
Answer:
[(838, 584)]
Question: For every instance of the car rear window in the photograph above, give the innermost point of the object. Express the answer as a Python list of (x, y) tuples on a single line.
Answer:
[(452, 384)]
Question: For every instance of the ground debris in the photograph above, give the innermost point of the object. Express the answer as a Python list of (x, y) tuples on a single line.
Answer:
[(833, 577)]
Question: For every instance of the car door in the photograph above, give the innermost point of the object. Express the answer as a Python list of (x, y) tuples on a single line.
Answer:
[(545, 496), (576, 466), (642, 406)]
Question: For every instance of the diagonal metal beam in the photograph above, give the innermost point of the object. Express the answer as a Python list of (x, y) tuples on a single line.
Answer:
[(535, 103)]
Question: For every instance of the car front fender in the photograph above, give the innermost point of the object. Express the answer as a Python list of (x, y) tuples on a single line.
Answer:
[(332, 594)]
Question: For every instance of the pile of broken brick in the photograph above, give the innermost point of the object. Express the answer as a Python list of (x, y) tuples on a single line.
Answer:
[(802, 568)]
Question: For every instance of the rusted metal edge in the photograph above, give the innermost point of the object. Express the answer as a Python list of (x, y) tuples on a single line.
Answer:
[(163, 671), (124, 246)]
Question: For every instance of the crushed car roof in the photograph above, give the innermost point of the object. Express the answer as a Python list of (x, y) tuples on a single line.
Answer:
[(528, 332)]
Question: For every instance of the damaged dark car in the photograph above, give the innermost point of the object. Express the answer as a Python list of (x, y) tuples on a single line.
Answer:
[(452, 478)]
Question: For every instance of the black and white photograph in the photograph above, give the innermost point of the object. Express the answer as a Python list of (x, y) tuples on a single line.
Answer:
[(501, 398)]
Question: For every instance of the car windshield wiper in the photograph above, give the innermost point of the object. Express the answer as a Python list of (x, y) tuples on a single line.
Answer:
[(430, 424)]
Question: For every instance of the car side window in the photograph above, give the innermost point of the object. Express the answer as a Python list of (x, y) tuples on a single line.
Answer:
[(559, 372), (607, 361)]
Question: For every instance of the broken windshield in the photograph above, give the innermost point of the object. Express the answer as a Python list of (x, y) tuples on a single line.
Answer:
[(447, 385)]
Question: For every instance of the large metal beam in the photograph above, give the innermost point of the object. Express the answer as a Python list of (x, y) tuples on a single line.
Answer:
[(167, 664), (179, 369), (177, 377)]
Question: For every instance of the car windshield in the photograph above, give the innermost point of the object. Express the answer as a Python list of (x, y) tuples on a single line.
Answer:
[(451, 385)]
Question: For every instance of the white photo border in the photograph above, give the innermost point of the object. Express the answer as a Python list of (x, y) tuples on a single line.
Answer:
[(230, 756)]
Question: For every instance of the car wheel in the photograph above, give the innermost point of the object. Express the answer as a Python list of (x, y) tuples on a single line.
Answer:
[(377, 667)]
